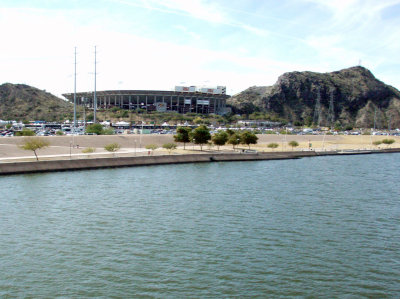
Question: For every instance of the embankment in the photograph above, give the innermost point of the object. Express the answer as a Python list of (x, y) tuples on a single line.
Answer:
[(80, 164)]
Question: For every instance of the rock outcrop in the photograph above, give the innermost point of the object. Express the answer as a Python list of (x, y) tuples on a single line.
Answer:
[(351, 96)]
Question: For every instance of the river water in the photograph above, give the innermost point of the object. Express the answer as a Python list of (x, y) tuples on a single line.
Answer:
[(313, 227)]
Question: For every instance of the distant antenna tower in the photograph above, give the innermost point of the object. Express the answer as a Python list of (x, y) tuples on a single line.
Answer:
[(317, 110), (331, 111), (75, 92), (94, 96)]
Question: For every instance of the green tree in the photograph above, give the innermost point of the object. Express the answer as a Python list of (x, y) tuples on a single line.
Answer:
[(34, 144), (230, 132), (112, 147), (234, 139), (95, 129), (248, 138), (25, 132), (348, 127), (338, 126), (8, 126), (198, 120), (169, 146), (89, 117), (201, 135), (108, 131), (183, 135), (220, 138), (273, 145), (293, 144), (59, 133)]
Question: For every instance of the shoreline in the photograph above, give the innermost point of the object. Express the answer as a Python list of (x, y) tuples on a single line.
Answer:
[(13, 168)]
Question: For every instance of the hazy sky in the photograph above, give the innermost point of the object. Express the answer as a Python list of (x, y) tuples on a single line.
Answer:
[(157, 44)]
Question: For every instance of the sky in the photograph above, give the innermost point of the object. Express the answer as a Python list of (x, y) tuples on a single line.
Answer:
[(157, 44)]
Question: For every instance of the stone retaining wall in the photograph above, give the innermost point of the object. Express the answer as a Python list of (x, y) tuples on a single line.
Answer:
[(65, 165)]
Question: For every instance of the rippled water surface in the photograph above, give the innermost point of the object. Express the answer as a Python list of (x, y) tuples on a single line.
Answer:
[(326, 227)]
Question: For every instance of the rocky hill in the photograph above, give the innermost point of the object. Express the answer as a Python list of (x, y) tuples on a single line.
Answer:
[(23, 102), (351, 96)]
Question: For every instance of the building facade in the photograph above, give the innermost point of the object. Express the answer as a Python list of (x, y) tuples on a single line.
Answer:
[(154, 100)]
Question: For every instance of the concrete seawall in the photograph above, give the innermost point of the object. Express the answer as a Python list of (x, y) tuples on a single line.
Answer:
[(68, 165)]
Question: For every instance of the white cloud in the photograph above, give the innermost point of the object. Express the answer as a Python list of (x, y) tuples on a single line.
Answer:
[(198, 9), (186, 31), (38, 50)]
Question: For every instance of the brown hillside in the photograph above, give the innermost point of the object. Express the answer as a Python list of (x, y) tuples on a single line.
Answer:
[(23, 102)]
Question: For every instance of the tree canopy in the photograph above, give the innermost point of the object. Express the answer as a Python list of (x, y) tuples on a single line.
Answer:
[(248, 138), (183, 135), (95, 129), (293, 144), (220, 138), (201, 135), (151, 147), (34, 144), (169, 146), (234, 139), (25, 132)]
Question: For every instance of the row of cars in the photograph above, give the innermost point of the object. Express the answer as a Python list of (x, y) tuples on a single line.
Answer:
[(6, 133)]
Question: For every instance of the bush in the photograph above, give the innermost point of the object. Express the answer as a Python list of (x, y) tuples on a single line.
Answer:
[(59, 133), (112, 147), (376, 143), (88, 150), (273, 145), (388, 141)]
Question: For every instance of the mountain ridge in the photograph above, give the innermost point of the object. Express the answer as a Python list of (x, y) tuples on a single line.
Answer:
[(353, 94), (24, 102)]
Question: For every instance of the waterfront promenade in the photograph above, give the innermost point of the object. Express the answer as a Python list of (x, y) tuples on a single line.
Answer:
[(71, 147), (66, 152)]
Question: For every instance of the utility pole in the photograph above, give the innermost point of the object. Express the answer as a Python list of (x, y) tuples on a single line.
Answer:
[(83, 99), (95, 98), (331, 110), (317, 110), (75, 93)]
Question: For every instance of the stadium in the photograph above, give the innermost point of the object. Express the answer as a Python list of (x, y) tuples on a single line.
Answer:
[(191, 99)]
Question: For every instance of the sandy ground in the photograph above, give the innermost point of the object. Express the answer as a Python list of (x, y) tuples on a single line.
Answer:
[(70, 147)]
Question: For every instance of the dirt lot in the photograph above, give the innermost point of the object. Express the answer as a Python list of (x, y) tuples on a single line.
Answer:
[(66, 147)]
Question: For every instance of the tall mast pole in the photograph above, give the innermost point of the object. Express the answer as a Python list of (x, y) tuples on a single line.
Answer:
[(75, 93), (94, 98)]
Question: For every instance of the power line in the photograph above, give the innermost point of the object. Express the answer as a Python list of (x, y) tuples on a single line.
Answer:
[(95, 73)]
